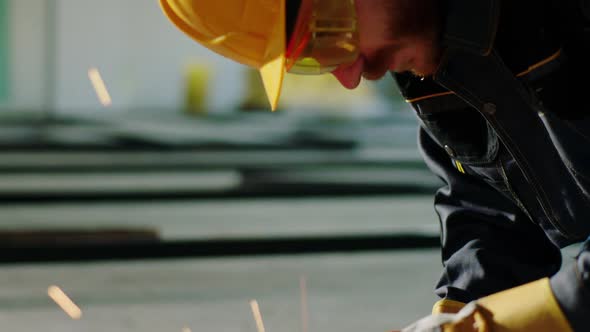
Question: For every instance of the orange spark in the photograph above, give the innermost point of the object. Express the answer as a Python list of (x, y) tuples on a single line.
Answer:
[(304, 307), (64, 302), (257, 315)]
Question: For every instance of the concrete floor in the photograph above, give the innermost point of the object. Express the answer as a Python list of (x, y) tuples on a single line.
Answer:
[(346, 292)]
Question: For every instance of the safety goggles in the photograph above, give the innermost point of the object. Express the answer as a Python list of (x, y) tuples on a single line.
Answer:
[(325, 36)]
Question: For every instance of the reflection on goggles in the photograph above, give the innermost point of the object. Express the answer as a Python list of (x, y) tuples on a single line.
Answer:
[(324, 37)]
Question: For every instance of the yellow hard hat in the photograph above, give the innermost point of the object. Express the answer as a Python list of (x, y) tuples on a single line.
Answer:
[(251, 32)]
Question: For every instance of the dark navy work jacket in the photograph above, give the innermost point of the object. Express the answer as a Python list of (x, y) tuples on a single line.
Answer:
[(505, 122)]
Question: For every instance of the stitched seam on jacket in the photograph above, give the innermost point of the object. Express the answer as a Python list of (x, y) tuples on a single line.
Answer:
[(519, 203)]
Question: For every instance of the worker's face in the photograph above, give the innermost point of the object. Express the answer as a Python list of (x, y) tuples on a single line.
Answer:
[(397, 35)]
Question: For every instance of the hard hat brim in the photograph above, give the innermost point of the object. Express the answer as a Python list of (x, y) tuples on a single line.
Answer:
[(271, 64), (273, 71)]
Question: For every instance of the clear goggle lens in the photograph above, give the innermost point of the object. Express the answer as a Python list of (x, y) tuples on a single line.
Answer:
[(325, 37)]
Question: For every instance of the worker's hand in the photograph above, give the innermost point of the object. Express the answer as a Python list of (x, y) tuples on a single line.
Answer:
[(530, 307), (464, 320)]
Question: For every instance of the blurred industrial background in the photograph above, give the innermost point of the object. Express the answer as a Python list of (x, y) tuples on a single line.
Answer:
[(146, 178)]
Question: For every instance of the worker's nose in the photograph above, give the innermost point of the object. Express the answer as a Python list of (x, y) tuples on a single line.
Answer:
[(350, 75)]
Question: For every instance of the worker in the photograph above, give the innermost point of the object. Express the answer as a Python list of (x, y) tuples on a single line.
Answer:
[(500, 92)]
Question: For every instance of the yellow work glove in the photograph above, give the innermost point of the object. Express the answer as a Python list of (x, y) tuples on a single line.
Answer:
[(530, 307), (447, 306)]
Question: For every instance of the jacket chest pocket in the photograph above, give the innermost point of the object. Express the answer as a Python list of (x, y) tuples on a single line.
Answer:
[(461, 131), (468, 139)]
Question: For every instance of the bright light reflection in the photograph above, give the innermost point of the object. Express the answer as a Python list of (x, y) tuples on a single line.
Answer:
[(70, 308), (99, 87)]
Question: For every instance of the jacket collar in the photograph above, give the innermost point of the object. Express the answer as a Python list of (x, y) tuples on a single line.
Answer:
[(471, 25)]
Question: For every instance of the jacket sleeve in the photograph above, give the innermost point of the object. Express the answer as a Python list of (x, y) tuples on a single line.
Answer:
[(488, 243), (571, 287)]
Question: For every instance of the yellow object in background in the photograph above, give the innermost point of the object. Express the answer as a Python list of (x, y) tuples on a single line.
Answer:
[(323, 94), (198, 77), (254, 96)]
